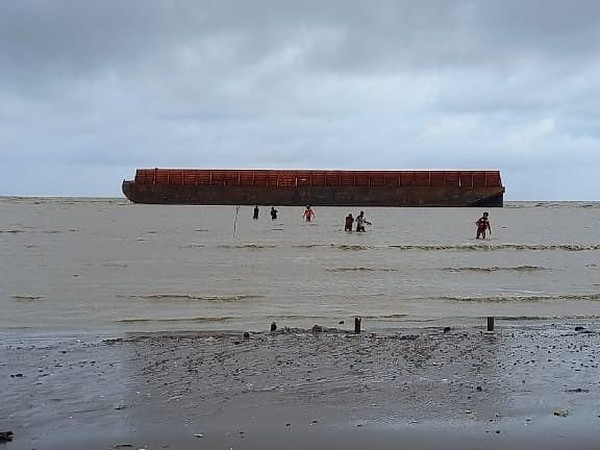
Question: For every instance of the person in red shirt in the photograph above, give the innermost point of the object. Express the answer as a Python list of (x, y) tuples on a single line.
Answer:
[(308, 214), (483, 225)]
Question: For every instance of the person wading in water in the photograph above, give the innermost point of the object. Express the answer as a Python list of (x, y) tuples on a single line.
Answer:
[(483, 225), (361, 220), (349, 222), (308, 213)]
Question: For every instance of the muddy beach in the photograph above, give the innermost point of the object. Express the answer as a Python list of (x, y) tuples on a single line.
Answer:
[(535, 385)]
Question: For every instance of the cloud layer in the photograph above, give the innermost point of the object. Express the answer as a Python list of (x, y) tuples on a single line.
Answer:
[(91, 90)]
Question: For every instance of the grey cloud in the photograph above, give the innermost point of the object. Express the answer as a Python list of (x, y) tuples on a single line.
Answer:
[(70, 38), (344, 83)]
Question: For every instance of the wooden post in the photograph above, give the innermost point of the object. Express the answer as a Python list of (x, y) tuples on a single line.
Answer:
[(490, 324), (357, 321)]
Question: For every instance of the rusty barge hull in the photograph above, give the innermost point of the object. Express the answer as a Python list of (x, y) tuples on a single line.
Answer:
[(316, 187)]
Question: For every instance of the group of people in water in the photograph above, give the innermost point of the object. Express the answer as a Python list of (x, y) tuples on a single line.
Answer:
[(309, 214), (483, 223), (360, 220), (256, 211)]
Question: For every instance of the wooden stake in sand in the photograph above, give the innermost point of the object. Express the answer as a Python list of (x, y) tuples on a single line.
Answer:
[(490, 324), (357, 321)]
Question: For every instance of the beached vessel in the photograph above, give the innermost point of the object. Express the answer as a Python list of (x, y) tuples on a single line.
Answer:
[(316, 187)]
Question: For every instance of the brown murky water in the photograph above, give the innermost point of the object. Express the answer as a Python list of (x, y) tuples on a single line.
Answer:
[(106, 265)]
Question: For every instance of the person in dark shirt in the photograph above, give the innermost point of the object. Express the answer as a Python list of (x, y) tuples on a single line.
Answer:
[(483, 225), (273, 213), (349, 222), (255, 216)]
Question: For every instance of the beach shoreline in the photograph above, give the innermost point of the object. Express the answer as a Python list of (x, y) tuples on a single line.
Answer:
[(414, 388)]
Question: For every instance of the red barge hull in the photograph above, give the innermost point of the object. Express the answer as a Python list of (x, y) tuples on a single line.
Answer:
[(316, 187)]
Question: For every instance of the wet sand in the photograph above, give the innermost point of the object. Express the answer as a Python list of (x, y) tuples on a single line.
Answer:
[(295, 389)]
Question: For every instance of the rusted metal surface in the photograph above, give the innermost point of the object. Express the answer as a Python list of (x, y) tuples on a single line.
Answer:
[(316, 187)]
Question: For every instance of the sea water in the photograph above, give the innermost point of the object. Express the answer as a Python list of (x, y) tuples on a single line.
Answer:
[(110, 266)]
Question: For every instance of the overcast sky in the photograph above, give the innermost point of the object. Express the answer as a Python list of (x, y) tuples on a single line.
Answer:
[(91, 90)]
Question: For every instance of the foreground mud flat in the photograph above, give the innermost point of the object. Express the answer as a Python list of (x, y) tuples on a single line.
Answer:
[(535, 385)]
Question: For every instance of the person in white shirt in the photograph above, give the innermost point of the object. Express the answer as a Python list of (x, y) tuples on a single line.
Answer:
[(361, 220)]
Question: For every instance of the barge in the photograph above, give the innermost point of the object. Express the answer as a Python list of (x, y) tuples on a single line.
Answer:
[(388, 188)]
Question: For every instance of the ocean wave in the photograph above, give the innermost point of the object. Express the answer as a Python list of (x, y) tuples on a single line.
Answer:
[(296, 317), (535, 318), (358, 269), (493, 269), (14, 231), (68, 230), (249, 246), (476, 246), (551, 204), (193, 245), (568, 247), (59, 200), (309, 245), (193, 297), (176, 319), (523, 298), (351, 247), (387, 317), (27, 298), (492, 247)]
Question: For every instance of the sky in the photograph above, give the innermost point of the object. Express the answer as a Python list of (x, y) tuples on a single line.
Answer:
[(91, 90)]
